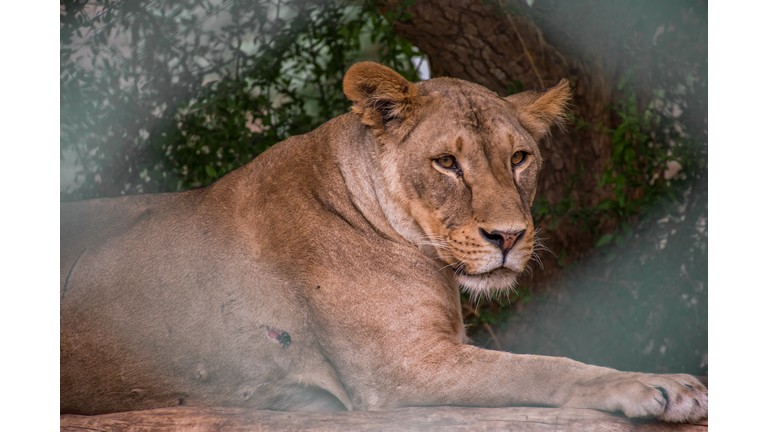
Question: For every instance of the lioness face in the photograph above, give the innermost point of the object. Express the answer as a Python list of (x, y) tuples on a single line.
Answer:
[(468, 173), (462, 164)]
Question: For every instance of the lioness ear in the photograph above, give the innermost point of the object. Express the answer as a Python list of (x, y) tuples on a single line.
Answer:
[(539, 110), (381, 95)]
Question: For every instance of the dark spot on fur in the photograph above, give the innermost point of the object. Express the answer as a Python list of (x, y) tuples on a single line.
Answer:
[(284, 339), (281, 336), (181, 401), (318, 287)]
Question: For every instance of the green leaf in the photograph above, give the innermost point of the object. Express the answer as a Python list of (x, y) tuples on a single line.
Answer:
[(604, 240), (606, 204), (561, 258), (626, 227), (621, 198), (620, 181), (210, 171), (629, 155)]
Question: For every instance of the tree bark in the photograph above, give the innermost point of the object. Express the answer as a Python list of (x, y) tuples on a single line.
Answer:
[(423, 419)]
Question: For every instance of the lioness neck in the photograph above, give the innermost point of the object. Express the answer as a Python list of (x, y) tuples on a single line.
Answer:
[(365, 175)]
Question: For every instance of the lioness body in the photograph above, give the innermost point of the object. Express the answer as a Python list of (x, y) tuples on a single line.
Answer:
[(325, 273), (246, 265)]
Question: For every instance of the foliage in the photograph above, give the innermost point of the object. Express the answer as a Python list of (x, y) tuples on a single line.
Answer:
[(647, 146), (167, 95)]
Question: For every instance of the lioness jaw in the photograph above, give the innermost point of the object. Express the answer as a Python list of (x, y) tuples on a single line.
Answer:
[(325, 274)]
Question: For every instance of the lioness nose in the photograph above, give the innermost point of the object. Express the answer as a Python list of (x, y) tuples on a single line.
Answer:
[(502, 240)]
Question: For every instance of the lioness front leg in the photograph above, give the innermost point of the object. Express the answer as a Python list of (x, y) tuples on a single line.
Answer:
[(458, 374)]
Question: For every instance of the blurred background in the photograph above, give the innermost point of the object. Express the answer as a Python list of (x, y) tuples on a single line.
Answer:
[(160, 96)]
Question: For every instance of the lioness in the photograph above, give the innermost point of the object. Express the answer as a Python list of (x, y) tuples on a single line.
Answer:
[(325, 274)]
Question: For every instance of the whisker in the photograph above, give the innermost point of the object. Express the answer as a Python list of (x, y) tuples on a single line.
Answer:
[(538, 243), (448, 265)]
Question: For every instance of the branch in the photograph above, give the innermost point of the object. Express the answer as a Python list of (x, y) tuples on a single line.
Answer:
[(423, 418)]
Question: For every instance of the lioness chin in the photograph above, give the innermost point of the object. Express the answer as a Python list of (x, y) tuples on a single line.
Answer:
[(325, 274)]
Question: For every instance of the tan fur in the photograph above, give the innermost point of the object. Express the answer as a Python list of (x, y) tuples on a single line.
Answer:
[(325, 274)]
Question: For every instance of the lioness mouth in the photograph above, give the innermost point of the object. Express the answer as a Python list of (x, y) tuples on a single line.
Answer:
[(460, 271), (498, 280)]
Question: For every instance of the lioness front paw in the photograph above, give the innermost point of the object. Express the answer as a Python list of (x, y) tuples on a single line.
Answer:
[(672, 397)]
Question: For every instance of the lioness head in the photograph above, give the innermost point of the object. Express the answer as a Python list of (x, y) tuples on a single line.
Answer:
[(461, 164)]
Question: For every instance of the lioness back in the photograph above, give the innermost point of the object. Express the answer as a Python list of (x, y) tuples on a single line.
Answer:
[(160, 293)]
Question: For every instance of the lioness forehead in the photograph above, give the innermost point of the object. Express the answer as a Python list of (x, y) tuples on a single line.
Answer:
[(484, 118), (470, 105), (466, 95), (451, 86)]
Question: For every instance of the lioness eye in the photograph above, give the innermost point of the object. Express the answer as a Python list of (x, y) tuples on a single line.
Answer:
[(518, 158), (446, 161)]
